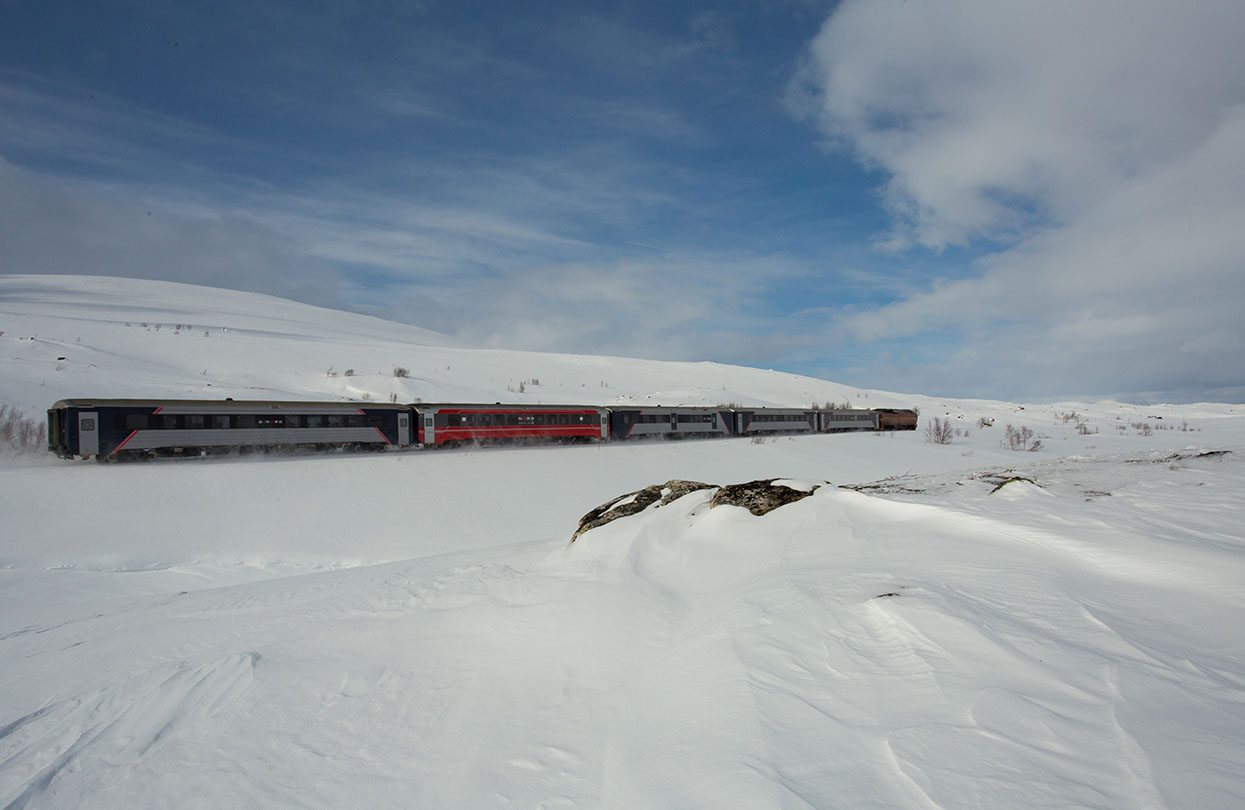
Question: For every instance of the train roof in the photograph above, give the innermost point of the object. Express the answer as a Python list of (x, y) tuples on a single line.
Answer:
[(669, 408), (509, 406), (223, 403)]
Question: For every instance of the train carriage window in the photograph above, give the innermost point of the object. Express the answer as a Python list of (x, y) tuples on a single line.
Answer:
[(564, 419), (136, 421), (194, 421), (244, 421), (221, 422), (334, 420)]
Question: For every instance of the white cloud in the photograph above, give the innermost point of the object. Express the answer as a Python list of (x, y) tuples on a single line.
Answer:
[(1100, 145)]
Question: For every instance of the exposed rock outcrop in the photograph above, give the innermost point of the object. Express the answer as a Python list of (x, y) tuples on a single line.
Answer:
[(638, 501), (758, 497), (762, 497)]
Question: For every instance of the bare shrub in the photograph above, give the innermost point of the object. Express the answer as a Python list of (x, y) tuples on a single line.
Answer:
[(348, 372), (1021, 438), (938, 431), (399, 371), (985, 422), (20, 434), (1084, 430)]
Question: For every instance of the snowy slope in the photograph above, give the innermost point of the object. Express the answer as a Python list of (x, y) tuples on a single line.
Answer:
[(122, 337), (414, 629)]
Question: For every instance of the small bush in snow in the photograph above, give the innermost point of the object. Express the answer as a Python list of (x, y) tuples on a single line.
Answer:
[(938, 431), (348, 372), (985, 422), (18, 434), (1021, 438), (399, 371)]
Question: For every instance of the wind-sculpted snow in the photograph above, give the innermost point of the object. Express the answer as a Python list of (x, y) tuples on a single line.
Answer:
[(1031, 648), (414, 629)]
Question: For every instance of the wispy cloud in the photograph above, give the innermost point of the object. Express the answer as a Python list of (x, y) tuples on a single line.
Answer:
[(1100, 148)]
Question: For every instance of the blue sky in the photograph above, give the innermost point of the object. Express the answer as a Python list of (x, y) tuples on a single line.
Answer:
[(867, 191)]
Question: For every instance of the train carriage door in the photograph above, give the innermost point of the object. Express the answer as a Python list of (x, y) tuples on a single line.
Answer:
[(88, 433), (430, 430), (674, 422), (404, 429)]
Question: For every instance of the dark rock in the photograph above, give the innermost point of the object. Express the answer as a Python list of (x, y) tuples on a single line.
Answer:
[(758, 497), (1014, 479), (660, 494)]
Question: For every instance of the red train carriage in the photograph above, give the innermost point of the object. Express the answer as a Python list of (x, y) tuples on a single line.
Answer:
[(442, 424)]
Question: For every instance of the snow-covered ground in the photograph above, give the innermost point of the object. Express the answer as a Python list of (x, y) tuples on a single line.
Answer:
[(415, 629)]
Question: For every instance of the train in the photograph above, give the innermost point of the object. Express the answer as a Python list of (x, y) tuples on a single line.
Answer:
[(118, 429)]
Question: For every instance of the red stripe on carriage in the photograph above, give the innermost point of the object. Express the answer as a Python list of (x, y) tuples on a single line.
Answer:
[(382, 435), (126, 441)]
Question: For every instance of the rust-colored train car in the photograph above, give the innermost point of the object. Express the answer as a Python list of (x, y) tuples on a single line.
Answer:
[(896, 419)]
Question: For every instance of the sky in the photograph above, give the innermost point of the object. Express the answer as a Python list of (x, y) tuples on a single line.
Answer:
[(976, 199)]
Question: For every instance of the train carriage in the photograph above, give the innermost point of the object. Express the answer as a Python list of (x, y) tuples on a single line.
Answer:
[(896, 419), (109, 429), (768, 421), (442, 424), (672, 422), (840, 420)]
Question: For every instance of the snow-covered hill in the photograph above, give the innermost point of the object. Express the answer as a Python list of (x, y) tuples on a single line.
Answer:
[(415, 629), (90, 336)]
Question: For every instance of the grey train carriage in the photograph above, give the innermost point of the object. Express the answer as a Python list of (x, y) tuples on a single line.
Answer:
[(669, 423), (840, 420), (770, 421), (109, 429)]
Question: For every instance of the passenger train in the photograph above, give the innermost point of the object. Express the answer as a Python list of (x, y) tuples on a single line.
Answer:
[(115, 429)]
